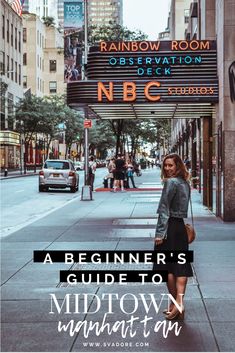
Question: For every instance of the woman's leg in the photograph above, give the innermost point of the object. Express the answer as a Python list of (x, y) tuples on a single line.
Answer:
[(181, 283), (127, 183), (171, 285), (178, 311), (133, 182)]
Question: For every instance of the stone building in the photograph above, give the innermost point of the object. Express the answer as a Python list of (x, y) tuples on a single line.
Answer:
[(210, 140), (11, 89), (43, 57)]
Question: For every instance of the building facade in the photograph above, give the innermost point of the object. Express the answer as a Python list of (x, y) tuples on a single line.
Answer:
[(43, 71), (210, 140), (43, 57), (43, 8), (11, 88), (105, 12)]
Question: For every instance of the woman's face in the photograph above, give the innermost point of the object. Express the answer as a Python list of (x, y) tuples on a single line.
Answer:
[(169, 167)]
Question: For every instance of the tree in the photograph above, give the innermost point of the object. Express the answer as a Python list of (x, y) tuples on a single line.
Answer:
[(36, 115), (73, 127), (100, 138), (114, 32), (49, 21)]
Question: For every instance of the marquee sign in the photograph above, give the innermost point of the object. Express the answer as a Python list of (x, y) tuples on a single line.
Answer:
[(149, 71)]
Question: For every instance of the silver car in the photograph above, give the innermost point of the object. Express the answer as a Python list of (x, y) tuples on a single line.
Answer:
[(58, 173)]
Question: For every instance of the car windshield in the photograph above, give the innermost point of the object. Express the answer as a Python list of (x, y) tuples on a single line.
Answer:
[(56, 165)]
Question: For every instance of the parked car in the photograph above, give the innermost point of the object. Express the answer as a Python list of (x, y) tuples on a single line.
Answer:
[(59, 174), (79, 165)]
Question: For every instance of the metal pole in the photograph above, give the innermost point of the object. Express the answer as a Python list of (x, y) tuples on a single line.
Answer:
[(85, 32), (86, 181), (86, 174), (21, 154)]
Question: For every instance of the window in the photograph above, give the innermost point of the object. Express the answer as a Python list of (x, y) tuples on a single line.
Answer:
[(52, 65), (3, 109), (186, 16), (8, 28), (52, 86), (15, 38), (12, 69), (25, 59), (19, 41), (37, 37), (8, 65), (19, 74), (10, 110), (2, 64), (24, 81), (16, 72), (24, 35), (3, 27), (12, 35)]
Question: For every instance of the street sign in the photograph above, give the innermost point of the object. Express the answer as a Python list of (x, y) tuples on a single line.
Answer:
[(87, 124)]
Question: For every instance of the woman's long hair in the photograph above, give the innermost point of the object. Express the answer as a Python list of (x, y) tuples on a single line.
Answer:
[(181, 170)]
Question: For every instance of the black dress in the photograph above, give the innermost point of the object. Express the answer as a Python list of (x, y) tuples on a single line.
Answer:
[(177, 239)]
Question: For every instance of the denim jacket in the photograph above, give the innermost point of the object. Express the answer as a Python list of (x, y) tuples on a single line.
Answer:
[(173, 203)]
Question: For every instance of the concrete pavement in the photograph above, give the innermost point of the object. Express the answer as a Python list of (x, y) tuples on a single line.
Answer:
[(17, 174), (120, 221)]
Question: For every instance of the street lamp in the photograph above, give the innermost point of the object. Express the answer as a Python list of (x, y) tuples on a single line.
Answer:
[(86, 188)]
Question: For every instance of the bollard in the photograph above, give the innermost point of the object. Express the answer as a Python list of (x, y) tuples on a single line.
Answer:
[(5, 172), (86, 194), (105, 182)]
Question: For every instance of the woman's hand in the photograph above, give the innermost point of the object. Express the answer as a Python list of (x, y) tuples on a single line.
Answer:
[(158, 241)]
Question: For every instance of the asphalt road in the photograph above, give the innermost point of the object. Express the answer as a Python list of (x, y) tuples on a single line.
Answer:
[(17, 195)]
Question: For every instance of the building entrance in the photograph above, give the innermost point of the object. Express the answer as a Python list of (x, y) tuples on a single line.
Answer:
[(175, 80)]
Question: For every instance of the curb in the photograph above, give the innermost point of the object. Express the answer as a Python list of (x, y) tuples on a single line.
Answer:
[(17, 176)]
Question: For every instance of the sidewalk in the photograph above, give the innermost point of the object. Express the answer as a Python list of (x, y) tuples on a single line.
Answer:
[(17, 174), (116, 221)]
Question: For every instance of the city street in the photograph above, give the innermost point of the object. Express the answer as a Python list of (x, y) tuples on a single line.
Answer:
[(121, 221), (18, 194)]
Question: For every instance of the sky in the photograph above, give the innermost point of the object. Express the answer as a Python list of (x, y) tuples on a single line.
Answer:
[(150, 16)]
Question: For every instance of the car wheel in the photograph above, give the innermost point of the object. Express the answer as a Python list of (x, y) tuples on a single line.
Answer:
[(73, 189)]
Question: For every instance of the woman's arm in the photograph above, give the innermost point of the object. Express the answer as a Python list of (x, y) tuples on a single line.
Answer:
[(168, 194)]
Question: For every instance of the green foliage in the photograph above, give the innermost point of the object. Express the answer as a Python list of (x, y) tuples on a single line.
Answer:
[(49, 21), (139, 132), (100, 138), (36, 115), (114, 32)]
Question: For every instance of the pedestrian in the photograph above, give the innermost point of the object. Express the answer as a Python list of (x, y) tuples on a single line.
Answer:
[(91, 172), (187, 162), (130, 174), (158, 164), (136, 168), (111, 169), (119, 173), (171, 234)]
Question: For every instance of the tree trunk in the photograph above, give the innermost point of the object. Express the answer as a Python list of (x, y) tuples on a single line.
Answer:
[(118, 136), (48, 142)]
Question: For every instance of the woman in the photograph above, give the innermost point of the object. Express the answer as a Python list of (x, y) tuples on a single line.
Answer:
[(170, 232), (130, 174), (111, 169)]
